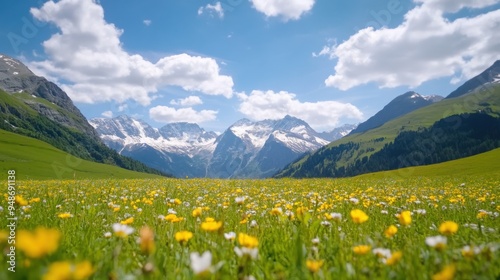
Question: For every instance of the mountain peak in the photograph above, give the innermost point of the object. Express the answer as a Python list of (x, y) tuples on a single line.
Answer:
[(399, 106), (487, 77), (12, 67)]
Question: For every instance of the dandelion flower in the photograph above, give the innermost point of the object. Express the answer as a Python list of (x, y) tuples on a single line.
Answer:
[(361, 249), (122, 230), (183, 236), (211, 225), (277, 211), (39, 243), (247, 241), (358, 216), (127, 221), (394, 258), (313, 265), (390, 231), (197, 212), (20, 200), (448, 273), (65, 270), (65, 215), (448, 228), (404, 218)]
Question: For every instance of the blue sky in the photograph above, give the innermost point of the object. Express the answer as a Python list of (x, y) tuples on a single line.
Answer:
[(328, 62)]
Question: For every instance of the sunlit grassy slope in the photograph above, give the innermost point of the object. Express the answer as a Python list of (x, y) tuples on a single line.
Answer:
[(372, 141), (482, 164), (34, 159)]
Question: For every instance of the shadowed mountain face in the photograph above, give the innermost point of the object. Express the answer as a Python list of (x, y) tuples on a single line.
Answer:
[(399, 106), (488, 77), (15, 77)]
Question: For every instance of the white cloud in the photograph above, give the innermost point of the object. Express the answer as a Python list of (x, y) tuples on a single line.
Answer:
[(107, 114), (168, 115), (122, 107), (287, 9), (260, 105), (212, 9), (87, 54), (147, 22), (187, 102), (425, 46)]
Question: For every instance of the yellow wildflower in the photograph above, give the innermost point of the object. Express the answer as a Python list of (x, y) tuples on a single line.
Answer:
[(448, 228), (482, 214), (65, 215), (21, 201), (390, 231), (276, 211), (314, 266), (127, 221), (247, 241), (395, 257), (197, 212), (40, 242), (65, 270), (183, 236), (361, 249), (448, 273), (358, 216), (211, 225), (404, 218)]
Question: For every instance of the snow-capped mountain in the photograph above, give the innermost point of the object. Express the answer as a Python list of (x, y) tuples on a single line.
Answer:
[(180, 149), (259, 149), (245, 149), (338, 132)]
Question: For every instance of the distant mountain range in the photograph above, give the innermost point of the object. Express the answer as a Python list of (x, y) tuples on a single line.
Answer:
[(414, 130), (245, 149)]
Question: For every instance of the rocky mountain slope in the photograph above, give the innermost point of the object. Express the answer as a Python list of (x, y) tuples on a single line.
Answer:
[(245, 149)]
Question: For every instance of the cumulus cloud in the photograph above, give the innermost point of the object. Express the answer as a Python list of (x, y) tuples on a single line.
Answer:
[(107, 114), (212, 9), (287, 9), (168, 115), (260, 105), (187, 102), (426, 46), (87, 55)]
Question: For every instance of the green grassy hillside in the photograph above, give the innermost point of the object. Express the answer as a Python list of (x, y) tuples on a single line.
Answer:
[(34, 159), (367, 143), (487, 164)]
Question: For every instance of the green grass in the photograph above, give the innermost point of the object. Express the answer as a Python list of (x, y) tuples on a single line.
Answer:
[(84, 212), (485, 164), (34, 159)]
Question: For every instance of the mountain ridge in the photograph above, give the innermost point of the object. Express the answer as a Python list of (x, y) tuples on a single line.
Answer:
[(186, 149)]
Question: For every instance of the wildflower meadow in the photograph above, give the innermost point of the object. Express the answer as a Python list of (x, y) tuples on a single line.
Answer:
[(413, 228)]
